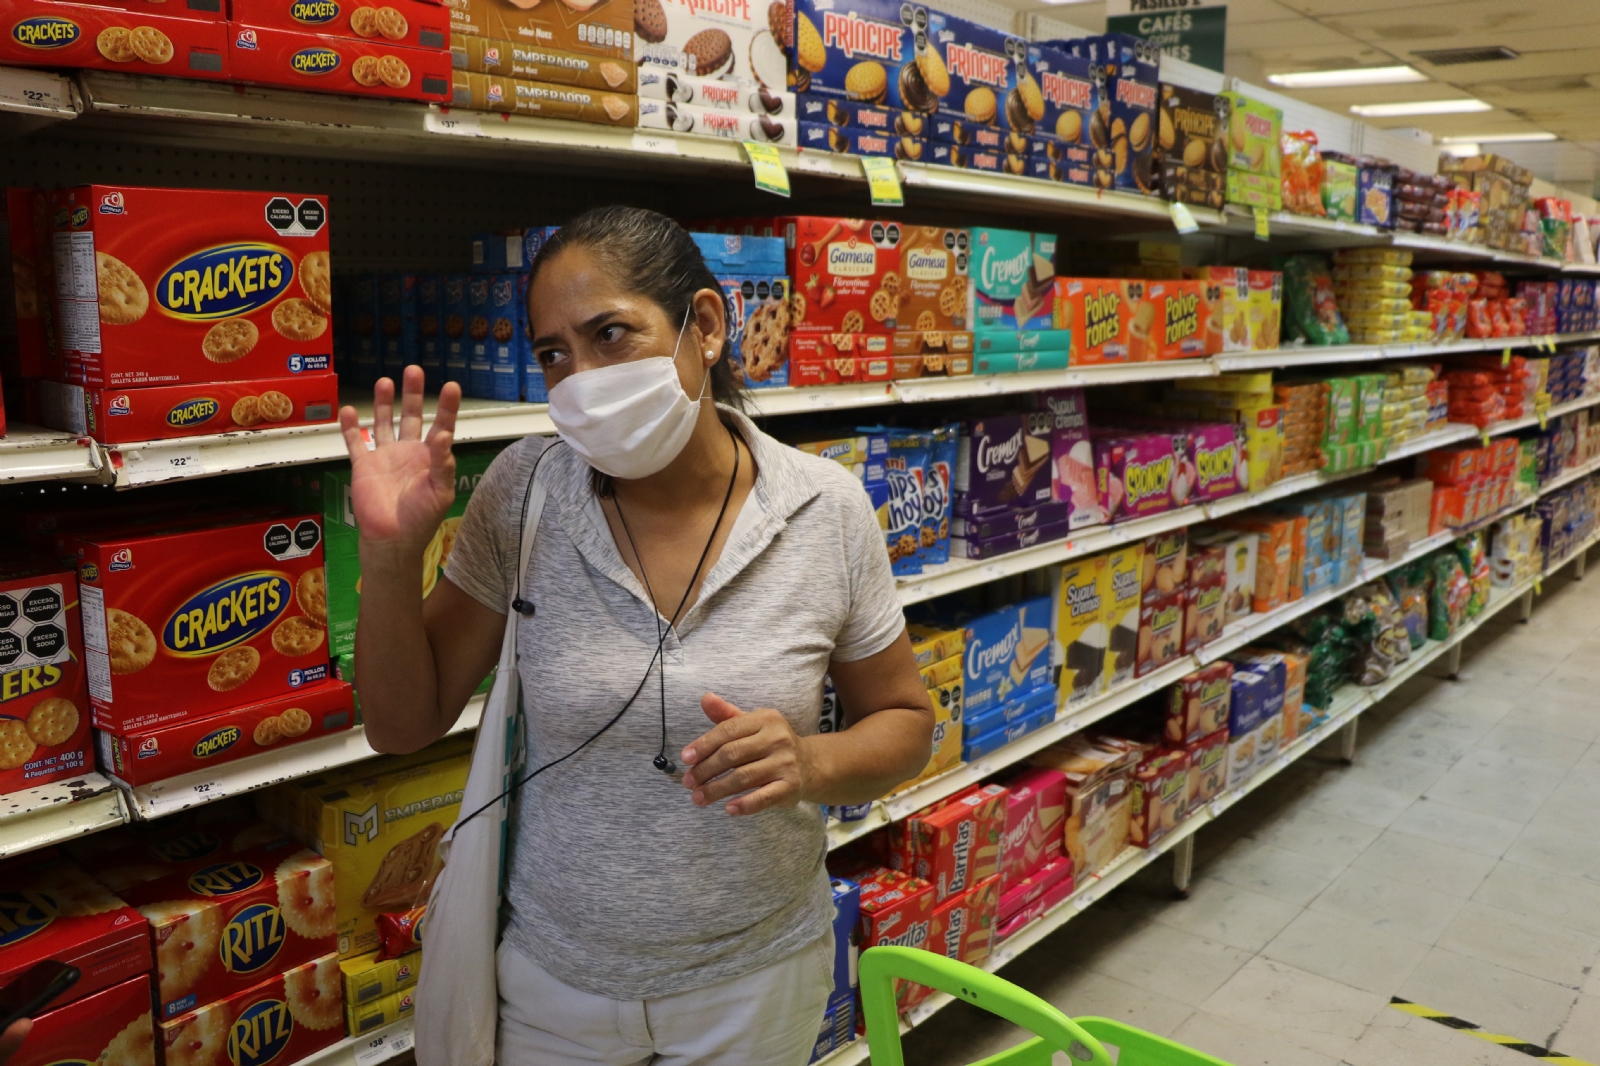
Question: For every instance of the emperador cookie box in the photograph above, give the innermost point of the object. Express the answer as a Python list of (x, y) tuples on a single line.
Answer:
[(183, 623), (50, 908), (176, 286), (222, 927), (44, 710), (284, 1018), (113, 1027)]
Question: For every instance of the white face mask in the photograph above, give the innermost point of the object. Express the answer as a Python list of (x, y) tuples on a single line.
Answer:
[(631, 419)]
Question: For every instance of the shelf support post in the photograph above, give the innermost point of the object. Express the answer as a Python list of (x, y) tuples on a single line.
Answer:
[(1579, 564), (1182, 866), (1452, 661), (1347, 738), (1525, 607)]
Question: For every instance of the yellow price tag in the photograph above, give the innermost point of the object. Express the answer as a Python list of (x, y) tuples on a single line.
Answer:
[(883, 180), (1483, 437), (1543, 420), (1183, 218), (768, 165), (1550, 345), (1262, 230), (1538, 587), (1505, 357)]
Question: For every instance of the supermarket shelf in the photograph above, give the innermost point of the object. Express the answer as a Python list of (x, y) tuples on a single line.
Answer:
[(830, 398), (1348, 704), (1565, 559), (974, 185), (1568, 477), (29, 453), (369, 1049), (1364, 353), (33, 99), (48, 814), (923, 390), (1590, 269), (161, 798)]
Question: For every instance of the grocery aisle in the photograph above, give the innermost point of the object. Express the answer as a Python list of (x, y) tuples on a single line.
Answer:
[(1456, 865)]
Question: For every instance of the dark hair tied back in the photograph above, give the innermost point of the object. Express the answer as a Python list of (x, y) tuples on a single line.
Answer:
[(652, 255)]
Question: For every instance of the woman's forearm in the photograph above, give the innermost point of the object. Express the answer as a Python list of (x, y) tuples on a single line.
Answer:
[(396, 674), (865, 761)]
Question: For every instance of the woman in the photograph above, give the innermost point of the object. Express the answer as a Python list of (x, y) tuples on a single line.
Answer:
[(692, 580)]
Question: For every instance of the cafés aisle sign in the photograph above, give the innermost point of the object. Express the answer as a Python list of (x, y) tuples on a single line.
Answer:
[(1191, 30)]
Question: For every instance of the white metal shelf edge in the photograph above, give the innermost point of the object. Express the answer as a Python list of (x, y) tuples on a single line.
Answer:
[(48, 814)]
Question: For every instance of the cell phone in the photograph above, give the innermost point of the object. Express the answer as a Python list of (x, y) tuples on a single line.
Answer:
[(32, 989)]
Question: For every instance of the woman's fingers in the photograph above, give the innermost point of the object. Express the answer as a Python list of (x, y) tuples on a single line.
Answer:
[(350, 428), (752, 775), (444, 414), (706, 744), (411, 403), (777, 794), (732, 753), (383, 412), (441, 468)]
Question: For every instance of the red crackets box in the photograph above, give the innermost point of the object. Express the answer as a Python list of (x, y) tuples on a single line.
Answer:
[(179, 625), (283, 1018), (44, 719), (408, 22), (52, 909), (47, 34), (295, 59), (205, 10), (1034, 811), (958, 845), (123, 416), (152, 755), (176, 286), (113, 1026), (220, 928), (846, 273)]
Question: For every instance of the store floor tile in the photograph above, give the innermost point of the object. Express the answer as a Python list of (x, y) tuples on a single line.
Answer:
[(1456, 864)]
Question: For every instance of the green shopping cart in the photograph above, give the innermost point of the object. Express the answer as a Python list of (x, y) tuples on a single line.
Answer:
[(1083, 1039)]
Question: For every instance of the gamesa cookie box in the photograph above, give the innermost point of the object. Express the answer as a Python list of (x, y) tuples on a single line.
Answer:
[(300, 60), (44, 710), (183, 623), (417, 23), (108, 38), (192, 285), (122, 415), (600, 28)]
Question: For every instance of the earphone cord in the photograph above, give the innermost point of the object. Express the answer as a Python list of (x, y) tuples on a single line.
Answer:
[(662, 762), (660, 643)]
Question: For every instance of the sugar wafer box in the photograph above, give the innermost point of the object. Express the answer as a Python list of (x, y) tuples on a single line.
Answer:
[(167, 751), (219, 929), (286, 1017), (188, 621), (178, 286), (112, 1026), (44, 707)]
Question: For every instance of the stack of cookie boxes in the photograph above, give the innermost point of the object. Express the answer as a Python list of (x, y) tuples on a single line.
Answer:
[(871, 300), (44, 706), (395, 49), (190, 311), (566, 59), (757, 291), (714, 69)]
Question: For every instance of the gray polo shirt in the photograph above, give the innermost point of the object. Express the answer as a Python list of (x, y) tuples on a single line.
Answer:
[(621, 886)]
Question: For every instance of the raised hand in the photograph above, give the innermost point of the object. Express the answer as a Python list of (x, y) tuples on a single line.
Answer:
[(402, 487), (752, 752)]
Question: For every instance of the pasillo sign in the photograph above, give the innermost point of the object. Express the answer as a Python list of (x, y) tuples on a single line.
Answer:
[(1192, 30)]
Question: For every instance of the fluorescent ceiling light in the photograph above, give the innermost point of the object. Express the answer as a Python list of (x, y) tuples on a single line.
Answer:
[(1462, 149), (1326, 79), (1504, 138), (1064, 3), (1420, 107)]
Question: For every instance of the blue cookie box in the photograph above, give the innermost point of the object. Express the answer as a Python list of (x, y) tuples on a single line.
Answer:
[(430, 330), (397, 323), (454, 296), (977, 746), (992, 640)]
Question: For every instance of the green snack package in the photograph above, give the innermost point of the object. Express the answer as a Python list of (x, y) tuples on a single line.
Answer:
[(1343, 396), (1310, 308), (1339, 189), (1369, 408)]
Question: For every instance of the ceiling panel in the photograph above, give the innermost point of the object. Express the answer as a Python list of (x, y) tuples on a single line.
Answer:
[(1346, 7), (1575, 60), (1480, 19), (1341, 98), (1287, 34), (1244, 12)]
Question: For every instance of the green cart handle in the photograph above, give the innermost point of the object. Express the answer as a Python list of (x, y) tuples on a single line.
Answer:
[(1054, 1030)]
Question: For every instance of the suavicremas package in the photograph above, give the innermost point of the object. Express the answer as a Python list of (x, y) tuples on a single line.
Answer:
[(174, 286)]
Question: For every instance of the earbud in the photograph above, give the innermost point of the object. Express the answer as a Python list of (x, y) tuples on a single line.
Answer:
[(665, 765), (522, 607)]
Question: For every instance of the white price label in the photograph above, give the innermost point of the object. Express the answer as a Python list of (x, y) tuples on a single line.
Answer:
[(162, 796), (35, 89), (455, 123), (814, 163), (660, 144), (392, 1041), (1083, 900), (161, 465)]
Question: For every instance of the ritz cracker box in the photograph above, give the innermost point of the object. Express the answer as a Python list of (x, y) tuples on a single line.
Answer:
[(190, 621), (290, 1014), (112, 1026), (44, 707), (180, 286)]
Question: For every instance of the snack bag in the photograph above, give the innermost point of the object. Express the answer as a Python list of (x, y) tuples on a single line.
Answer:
[(908, 471), (1302, 174), (1310, 307)]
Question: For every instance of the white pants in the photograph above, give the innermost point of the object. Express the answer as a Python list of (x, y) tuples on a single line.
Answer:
[(770, 1017)]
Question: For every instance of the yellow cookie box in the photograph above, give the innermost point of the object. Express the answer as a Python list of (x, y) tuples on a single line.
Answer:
[(942, 672), (366, 1017), (382, 835), (930, 644), (947, 705), (366, 979)]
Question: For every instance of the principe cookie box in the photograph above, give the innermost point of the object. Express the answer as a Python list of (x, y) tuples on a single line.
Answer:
[(717, 122), (192, 285), (44, 706), (494, 92), (296, 59), (163, 412), (674, 86), (49, 34), (381, 832), (1192, 145), (824, 137), (400, 332), (414, 23), (53, 909), (533, 62), (153, 755), (1126, 71), (111, 1026), (220, 925), (291, 1014), (187, 621), (740, 42), (603, 28)]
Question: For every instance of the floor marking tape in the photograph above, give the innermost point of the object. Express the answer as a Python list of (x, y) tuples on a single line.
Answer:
[(1464, 1026)]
